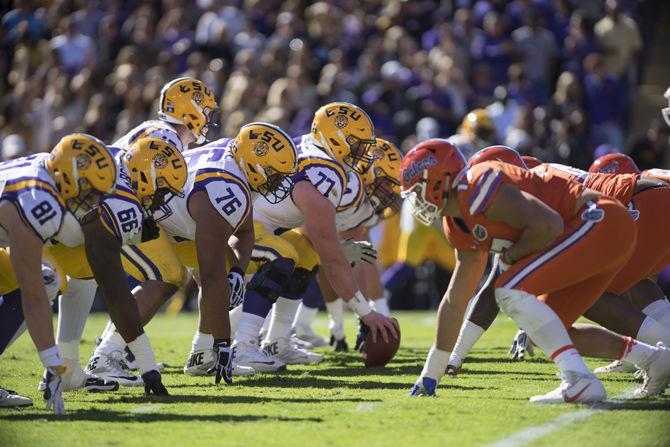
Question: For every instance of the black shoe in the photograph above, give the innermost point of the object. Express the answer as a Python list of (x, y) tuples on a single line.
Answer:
[(339, 345)]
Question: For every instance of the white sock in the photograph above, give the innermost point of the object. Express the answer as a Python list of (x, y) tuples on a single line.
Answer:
[(144, 355), (336, 321), (234, 316), (202, 342), (304, 318), (266, 324), (282, 318), (73, 308), (381, 305), (111, 342), (436, 364), (636, 352), (543, 327), (469, 335), (650, 332), (659, 310), (249, 328)]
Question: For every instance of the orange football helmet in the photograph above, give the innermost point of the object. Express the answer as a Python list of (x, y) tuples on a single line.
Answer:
[(498, 153), (428, 172), (614, 164)]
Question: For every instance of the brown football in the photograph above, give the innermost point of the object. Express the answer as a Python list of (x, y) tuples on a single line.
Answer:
[(379, 353)]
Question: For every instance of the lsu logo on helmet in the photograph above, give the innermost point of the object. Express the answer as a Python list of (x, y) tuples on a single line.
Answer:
[(189, 102)]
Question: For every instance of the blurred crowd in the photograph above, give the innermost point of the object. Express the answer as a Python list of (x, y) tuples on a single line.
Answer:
[(556, 77)]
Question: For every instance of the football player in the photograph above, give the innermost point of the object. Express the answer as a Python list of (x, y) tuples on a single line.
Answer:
[(476, 132), (382, 199), (42, 196), (217, 182), (553, 239), (610, 311), (341, 135)]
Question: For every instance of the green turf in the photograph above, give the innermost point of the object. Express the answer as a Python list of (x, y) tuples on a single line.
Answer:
[(338, 402)]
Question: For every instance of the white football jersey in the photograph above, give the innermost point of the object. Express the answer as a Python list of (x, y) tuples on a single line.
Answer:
[(314, 166), (29, 186), (211, 168), (355, 208), (150, 129)]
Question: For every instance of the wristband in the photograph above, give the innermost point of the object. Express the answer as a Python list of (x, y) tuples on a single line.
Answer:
[(359, 305), (51, 357)]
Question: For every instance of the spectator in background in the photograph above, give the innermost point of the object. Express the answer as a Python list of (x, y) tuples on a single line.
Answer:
[(537, 50), (580, 42), (13, 146), (493, 48), (620, 40), (88, 18), (520, 89), (21, 19), (567, 98), (604, 102), (650, 149), (75, 50)]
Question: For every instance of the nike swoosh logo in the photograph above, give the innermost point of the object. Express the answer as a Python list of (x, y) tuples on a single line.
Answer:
[(134, 379), (265, 363), (569, 399)]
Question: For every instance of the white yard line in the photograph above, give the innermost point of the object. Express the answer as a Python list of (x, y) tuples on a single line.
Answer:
[(530, 434)]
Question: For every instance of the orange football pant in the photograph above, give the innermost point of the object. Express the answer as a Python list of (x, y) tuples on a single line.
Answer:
[(572, 273)]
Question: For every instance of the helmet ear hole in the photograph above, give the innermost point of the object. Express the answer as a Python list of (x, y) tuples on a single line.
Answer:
[(334, 142), (251, 168)]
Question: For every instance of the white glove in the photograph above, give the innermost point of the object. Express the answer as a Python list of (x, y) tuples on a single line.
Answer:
[(236, 281), (53, 393), (521, 346), (356, 251)]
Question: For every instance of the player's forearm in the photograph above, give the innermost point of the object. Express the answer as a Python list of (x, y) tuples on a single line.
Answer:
[(214, 303), (335, 265), (242, 248), (534, 238), (38, 316)]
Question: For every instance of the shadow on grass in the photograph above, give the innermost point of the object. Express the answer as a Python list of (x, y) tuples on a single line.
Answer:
[(99, 415), (228, 399), (325, 383)]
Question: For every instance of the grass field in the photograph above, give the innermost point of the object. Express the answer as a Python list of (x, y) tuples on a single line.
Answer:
[(337, 402)]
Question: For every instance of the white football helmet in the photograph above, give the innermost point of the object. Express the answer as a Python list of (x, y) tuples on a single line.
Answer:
[(666, 110)]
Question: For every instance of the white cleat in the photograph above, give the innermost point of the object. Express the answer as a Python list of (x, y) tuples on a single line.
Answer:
[(657, 373), (109, 367), (289, 353), (249, 355), (307, 334), (616, 366), (200, 362), (75, 378), (9, 399), (574, 388)]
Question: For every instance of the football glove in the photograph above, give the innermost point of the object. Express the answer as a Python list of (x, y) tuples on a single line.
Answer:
[(236, 281), (356, 251), (153, 383), (53, 393), (521, 346), (424, 386), (223, 363), (361, 335)]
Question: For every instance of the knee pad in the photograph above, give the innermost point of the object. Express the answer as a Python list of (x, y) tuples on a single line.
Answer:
[(525, 309), (299, 282), (272, 278)]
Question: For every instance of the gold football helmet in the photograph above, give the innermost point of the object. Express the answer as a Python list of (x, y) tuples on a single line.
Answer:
[(477, 125), (82, 167), (382, 180), (189, 102), (268, 157), (157, 174), (346, 133)]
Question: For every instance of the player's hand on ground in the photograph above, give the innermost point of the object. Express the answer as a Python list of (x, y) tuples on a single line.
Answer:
[(356, 251), (381, 326), (223, 363), (236, 281), (153, 383), (521, 345), (424, 386), (53, 393), (361, 335)]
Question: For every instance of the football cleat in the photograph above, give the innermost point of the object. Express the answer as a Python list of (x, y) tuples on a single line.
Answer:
[(200, 362), (109, 367), (282, 349), (307, 334), (9, 398), (574, 388), (339, 345), (657, 373), (75, 378), (424, 386), (616, 366), (249, 355)]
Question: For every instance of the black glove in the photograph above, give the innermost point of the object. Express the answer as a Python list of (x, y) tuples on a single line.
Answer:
[(363, 331), (223, 362), (153, 383)]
